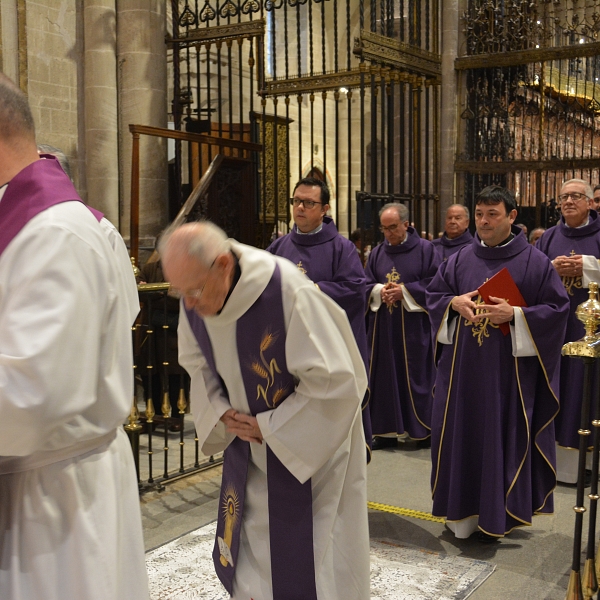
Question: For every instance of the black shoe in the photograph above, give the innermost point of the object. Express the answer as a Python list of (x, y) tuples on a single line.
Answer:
[(485, 538), (384, 442)]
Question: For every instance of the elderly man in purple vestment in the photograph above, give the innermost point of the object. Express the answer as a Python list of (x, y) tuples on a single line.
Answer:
[(573, 246), (70, 524), (276, 382), (496, 390), (330, 261), (402, 370), (456, 234)]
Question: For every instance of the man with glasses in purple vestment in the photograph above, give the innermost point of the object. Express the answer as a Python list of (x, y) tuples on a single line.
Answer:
[(402, 370), (276, 382), (573, 246), (330, 261), (70, 524), (496, 390)]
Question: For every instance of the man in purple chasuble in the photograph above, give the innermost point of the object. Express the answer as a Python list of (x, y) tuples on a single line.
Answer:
[(70, 524), (402, 370), (456, 234), (573, 246), (276, 382), (496, 395), (330, 261)]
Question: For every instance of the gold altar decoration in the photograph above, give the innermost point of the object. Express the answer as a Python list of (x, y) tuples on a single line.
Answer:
[(589, 314)]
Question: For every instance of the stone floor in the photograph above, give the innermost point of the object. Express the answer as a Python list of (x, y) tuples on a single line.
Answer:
[(533, 563)]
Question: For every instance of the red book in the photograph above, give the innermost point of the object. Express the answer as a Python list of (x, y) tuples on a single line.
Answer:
[(502, 285)]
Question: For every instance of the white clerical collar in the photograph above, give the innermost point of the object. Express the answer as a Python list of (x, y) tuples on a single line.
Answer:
[(587, 222), (500, 245), (310, 232), (2, 190)]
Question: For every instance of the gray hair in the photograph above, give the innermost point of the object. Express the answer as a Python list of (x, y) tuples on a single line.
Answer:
[(59, 154), (201, 240), (16, 119), (542, 229), (399, 208), (467, 213), (588, 188)]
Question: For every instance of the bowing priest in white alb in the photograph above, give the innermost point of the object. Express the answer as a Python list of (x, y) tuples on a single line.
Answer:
[(276, 381)]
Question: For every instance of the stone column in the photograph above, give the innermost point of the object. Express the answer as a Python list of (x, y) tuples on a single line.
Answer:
[(449, 105), (142, 81), (9, 39), (100, 82)]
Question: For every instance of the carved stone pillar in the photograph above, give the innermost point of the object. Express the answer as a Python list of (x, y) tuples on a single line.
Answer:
[(101, 132), (449, 109), (142, 81)]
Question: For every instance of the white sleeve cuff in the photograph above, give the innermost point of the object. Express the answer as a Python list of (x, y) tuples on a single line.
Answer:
[(591, 270), (375, 298), (522, 342), (409, 302), (447, 328)]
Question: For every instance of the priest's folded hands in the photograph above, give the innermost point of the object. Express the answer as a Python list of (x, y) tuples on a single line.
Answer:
[(244, 426), (569, 266), (499, 312), (391, 293)]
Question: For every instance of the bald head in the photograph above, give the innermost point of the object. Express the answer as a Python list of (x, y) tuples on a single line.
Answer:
[(16, 121), (202, 241), (198, 263)]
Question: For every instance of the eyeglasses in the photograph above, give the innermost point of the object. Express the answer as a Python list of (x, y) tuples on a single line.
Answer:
[(391, 228), (195, 294), (306, 203), (575, 196)]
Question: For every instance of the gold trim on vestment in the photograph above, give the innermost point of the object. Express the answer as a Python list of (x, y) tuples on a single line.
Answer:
[(537, 433), (512, 485), (555, 413), (408, 375), (437, 470)]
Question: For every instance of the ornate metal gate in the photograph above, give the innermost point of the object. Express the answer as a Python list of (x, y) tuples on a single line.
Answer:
[(530, 100), (345, 90)]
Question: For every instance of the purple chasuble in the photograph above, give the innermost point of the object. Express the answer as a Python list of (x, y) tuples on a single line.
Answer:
[(492, 435), (260, 334), (38, 186), (402, 370), (562, 240), (331, 261), (445, 247)]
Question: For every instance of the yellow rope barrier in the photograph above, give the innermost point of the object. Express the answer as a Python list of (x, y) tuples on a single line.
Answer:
[(405, 512)]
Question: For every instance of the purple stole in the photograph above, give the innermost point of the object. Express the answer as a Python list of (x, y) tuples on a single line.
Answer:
[(261, 339), (38, 186)]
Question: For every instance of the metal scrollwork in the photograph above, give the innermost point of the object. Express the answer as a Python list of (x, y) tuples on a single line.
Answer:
[(229, 9), (187, 18), (250, 6), (207, 13)]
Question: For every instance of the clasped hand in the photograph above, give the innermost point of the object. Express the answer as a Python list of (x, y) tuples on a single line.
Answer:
[(391, 293), (244, 426), (569, 266), (498, 312)]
